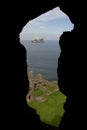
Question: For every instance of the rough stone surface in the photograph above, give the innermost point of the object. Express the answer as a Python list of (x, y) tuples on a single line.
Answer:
[(71, 71), (39, 83)]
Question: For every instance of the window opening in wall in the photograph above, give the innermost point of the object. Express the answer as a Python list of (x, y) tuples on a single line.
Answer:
[(41, 39)]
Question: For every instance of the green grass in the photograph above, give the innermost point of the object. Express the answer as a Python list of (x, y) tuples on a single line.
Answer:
[(51, 110), (38, 92), (50, 88)]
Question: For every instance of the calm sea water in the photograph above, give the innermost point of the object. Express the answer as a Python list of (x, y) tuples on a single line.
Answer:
[(42, 58)]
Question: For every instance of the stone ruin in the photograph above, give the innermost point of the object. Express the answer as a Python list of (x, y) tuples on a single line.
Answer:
[(36, 82)]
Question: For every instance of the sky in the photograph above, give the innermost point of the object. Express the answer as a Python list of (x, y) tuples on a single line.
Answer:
[(49, 25)]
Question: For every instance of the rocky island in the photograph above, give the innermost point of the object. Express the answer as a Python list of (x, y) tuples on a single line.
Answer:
[(37, 40)]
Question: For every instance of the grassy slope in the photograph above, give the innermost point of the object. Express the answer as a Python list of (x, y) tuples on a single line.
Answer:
[(38, 92), (51, 110)]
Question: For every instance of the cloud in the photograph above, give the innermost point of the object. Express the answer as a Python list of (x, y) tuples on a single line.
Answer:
[(50, 15), (42, 27), (50, 24), (54, 14)]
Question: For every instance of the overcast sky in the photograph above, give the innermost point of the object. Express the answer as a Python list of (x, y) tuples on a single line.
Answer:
[(49, 26)]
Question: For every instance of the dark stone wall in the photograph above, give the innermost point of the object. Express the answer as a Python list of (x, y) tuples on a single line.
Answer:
[(71, 71)]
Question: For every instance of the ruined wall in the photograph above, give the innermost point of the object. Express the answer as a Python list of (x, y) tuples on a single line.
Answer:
[(70, 71)]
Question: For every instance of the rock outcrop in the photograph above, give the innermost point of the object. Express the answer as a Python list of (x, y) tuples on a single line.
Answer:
[(38, 82), (38, 40)]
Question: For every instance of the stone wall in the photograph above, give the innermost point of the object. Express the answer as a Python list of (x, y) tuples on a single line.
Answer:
[(39, 83)]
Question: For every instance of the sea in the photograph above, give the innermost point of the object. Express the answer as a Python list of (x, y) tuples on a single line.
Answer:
[(43, 58)]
